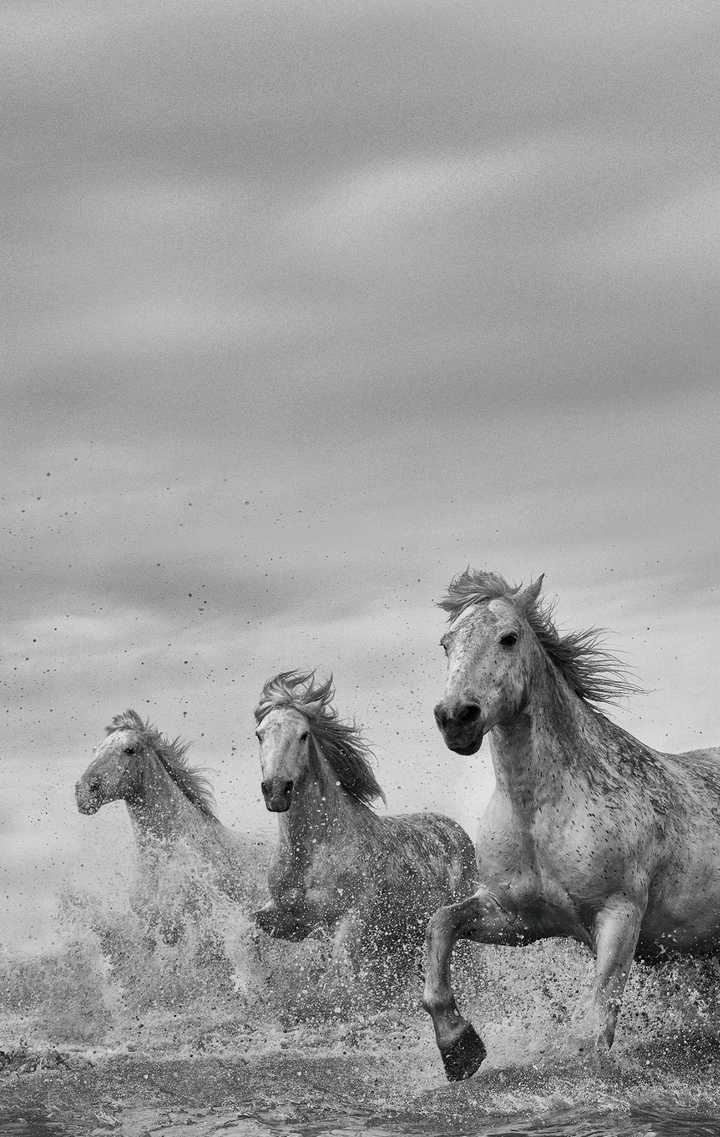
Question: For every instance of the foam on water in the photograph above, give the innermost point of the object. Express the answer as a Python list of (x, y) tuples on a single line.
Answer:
[(178, 979)]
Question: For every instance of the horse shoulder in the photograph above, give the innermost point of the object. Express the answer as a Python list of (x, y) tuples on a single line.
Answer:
[(501, 844), (570, 849)]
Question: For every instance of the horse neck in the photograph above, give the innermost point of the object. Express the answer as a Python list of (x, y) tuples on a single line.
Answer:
[(160, 811), (320, 806), (555, 737)]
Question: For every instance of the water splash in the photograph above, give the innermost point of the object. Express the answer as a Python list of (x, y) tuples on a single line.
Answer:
[(178, 976)]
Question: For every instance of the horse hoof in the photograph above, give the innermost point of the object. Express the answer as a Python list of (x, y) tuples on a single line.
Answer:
[(464, 1056)]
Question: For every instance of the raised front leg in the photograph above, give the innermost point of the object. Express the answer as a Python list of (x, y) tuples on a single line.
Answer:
[(479, 918), (617, 927)]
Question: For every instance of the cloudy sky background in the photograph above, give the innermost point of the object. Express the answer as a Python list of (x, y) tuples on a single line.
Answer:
[(308, 306)]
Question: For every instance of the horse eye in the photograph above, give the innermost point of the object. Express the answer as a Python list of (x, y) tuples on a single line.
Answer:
[(129, 749), (304, 735), (508, 640)]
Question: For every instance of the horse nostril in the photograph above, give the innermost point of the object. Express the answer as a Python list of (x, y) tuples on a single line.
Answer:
[(467, 714), (441, 715), (265, 787), (287, 789), (94, 786)]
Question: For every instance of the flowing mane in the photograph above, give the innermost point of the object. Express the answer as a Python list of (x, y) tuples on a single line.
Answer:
[(172, 755), (342, 743), (593, 673)]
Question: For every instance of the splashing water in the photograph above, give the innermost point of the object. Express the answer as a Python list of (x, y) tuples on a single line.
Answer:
[(170, 1005)]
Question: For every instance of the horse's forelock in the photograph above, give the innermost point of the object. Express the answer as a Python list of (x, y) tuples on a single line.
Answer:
[(474, 586), (296, 689), (127, 720), (342, 743), (593, 673)]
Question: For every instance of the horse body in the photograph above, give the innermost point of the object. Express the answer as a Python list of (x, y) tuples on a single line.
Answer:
[(373, 880), (589, 834), (385, 873), (168, 802), (683, 911)]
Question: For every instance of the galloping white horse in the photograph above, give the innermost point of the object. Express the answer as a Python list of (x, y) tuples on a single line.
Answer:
[(373, 880), (589, 834), (169, 802)]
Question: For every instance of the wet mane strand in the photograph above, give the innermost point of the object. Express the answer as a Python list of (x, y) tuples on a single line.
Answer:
[(342, 743), (593, 673), (172, 755)]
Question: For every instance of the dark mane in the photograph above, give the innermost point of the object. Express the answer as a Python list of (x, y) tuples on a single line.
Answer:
[(593, 673), (341, 743), (172, 755)]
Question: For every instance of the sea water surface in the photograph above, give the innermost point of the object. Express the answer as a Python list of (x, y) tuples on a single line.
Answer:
[(170, 1014)]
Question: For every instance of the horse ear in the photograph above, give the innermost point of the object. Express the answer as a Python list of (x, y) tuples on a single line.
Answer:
[(529, 596)]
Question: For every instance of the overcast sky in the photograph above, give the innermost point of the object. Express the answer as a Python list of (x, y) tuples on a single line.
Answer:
[(310, 305)]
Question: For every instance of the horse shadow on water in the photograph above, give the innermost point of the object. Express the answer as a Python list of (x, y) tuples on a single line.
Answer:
[(339, 869), (590, 834)]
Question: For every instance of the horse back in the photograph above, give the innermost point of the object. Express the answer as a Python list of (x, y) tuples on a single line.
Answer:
[(432, 854)]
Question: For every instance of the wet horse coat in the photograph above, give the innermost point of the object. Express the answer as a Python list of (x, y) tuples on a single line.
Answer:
[(589, 834), (373, 880), (170, 804)]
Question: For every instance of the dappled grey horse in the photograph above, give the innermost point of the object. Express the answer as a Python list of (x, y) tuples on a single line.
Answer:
[(374, 881), (169, 802), (589, 834)]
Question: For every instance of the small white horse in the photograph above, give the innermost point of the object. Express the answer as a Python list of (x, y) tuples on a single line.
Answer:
[(373, 880), (170, 804)]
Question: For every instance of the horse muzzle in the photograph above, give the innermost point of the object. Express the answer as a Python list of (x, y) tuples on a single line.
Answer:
[(277, 793), (461, 725), (88, 802)]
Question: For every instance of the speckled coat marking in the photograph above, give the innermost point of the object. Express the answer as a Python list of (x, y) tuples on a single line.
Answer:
[(589, 833), (169, 803), (373, 880)]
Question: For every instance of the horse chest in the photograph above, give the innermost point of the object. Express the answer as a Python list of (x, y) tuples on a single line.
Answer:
[(320, 874), (549, 857)]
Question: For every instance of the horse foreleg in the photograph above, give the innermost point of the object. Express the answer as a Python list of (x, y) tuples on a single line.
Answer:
[(616, 931), (479, 918), (347, 940)]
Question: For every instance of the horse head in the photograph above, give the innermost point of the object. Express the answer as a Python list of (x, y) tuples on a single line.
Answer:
[(284, 737), (116, 770), (299, 732), (490, 649)]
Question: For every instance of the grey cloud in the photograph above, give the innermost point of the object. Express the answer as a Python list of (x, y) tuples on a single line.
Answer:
[(281, 219), (268, 87)]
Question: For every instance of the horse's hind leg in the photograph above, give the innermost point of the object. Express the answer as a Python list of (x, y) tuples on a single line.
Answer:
[(617, 927), (479, 918)]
